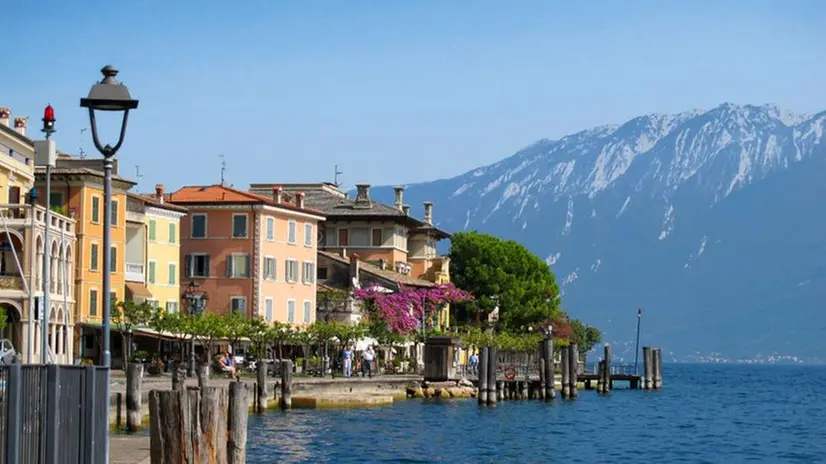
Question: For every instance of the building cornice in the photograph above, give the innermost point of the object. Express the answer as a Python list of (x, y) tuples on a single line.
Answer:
[(246, 207), (163, 213)]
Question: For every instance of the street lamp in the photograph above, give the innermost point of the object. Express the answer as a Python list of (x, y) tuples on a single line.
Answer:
[(43, 154), (196, 301), (107, 95)]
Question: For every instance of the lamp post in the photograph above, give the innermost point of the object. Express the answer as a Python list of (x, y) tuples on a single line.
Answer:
[(107, 95), (48, 129), (32, 280), (196, 301)]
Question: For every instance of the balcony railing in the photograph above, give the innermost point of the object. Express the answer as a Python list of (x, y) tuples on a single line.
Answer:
[(20, 215), (135, 272), (11, 282)]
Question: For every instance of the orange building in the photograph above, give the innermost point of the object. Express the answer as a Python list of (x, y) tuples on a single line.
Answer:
[(250, 253), (77, 190)]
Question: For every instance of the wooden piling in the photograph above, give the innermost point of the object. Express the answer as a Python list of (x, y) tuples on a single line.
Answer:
[(262, 400), (524, 394), (188, 426), (237, 424), (119, 411), (286, 384), (550, 391), (606, 381), (573, 366), (493, 361), (178, 377), (600, 375), (482, 372), (540, 394), (566, 373), (500, 390), (658, 368), (203, 375), (134, 372), (647, 368)]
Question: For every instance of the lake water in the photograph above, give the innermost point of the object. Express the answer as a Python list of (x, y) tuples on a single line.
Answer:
[(704, 414)]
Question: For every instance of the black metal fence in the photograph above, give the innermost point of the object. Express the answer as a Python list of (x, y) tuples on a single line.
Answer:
[(53, 414), (515, 365)]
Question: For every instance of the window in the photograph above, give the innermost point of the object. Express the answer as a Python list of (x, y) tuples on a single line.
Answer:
[(113, 297), (343, 237), (93, 302), (153, 303), (93, 257), (359, 236), (268, 309), (291, 232), (307, 306), (270, 229), (377, 238), (238, 265), (171, 307), (322, 273), (173, 273), (173, 233), (238, 304), (308, 276), (269, 268), (239, 225), (113, 259), (96, 210), (199, 226), (56, 200), (308, 235), (113, 216), (291, 270), (151, 272), (290, 310), (153, 232), (197, 265)]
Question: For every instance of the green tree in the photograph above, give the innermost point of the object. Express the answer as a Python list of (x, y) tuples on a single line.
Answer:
[(584, 336), (237, 326), (178, 325), (280, 334), (4, 318), (257, 330), (502, 273), (160, 322), (125, 315), (207, 329)]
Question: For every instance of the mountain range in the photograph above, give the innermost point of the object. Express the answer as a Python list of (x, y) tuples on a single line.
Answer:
[(710, 221)]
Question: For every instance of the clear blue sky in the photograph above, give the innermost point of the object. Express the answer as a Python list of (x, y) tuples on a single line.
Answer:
[(393, 91)]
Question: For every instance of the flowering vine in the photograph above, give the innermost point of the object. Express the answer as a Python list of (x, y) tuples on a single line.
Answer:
[(403, 309)]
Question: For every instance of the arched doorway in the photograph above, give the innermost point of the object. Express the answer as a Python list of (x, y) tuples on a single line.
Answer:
[(13, 329)]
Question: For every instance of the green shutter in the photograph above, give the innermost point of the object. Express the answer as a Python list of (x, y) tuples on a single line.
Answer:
[(95, 209), (172, 233), (151, 230), (172, 272), (151, 272)]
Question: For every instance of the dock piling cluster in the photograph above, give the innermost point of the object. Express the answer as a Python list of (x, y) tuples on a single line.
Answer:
[(652, 368)]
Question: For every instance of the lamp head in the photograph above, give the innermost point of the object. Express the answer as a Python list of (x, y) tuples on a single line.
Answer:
[(109, 94)]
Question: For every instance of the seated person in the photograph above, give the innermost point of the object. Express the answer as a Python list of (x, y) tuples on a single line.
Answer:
[(227, 365)]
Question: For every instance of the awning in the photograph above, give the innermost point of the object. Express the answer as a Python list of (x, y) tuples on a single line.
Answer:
[(136, 291)]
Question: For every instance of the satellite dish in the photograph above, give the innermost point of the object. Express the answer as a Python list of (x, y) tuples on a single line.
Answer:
[(356, 283)]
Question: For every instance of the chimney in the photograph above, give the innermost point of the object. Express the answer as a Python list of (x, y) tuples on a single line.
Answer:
[(20, 124), (406, 210), (363, 196), (399, 196), (159, 193), (299, 199), (276, 194), (343, 252), (5, 114), (428, 212), (354, 268)]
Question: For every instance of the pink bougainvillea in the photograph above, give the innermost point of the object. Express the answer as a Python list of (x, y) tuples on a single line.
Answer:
[(403, 309)]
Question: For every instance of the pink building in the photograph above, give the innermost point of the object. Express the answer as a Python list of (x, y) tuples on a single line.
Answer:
[(250, 253)]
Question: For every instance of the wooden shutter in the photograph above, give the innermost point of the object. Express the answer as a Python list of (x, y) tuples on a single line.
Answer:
[(188, 265), (229, 266)]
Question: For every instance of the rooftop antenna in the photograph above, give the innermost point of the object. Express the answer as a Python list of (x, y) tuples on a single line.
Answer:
[(223, 167), (80, 150), (335, 179), (138, 174)]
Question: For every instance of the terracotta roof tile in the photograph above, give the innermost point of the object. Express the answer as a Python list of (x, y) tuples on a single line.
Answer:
[(382, 273), (151, 200), (200, 194)]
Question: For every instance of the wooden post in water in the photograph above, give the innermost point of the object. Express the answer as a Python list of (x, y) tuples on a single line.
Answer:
[(550, 391), (658, 368), (262, 387), (566, 373), (203, 375), (238, 414), (188, 426), (600, 375), (606, 382), (134, 372), (493, 361), (178, 377), (524, 393), (482, 373), (286, 384), (573, 365), (647, 368), (540, 394)]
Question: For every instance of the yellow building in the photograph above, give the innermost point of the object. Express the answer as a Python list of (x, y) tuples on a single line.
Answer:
[(153, 250), (17, 177)]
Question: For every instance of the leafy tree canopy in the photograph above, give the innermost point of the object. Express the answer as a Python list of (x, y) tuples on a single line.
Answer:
[(504, 273)]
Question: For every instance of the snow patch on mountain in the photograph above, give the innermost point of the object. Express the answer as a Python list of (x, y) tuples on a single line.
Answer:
[(668, 222)]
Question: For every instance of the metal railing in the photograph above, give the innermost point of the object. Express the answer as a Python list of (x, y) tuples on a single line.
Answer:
[(519, 365), (53, 414)]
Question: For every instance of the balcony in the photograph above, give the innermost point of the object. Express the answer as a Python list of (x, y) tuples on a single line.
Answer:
[(11, 282), (19, 217), (135, 272)]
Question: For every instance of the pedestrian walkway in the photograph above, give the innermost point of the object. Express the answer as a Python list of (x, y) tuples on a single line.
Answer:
[(129, 449)]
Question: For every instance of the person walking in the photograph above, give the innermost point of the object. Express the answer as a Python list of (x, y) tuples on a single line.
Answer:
[(474, 363), (368, 356), (347, 356)]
